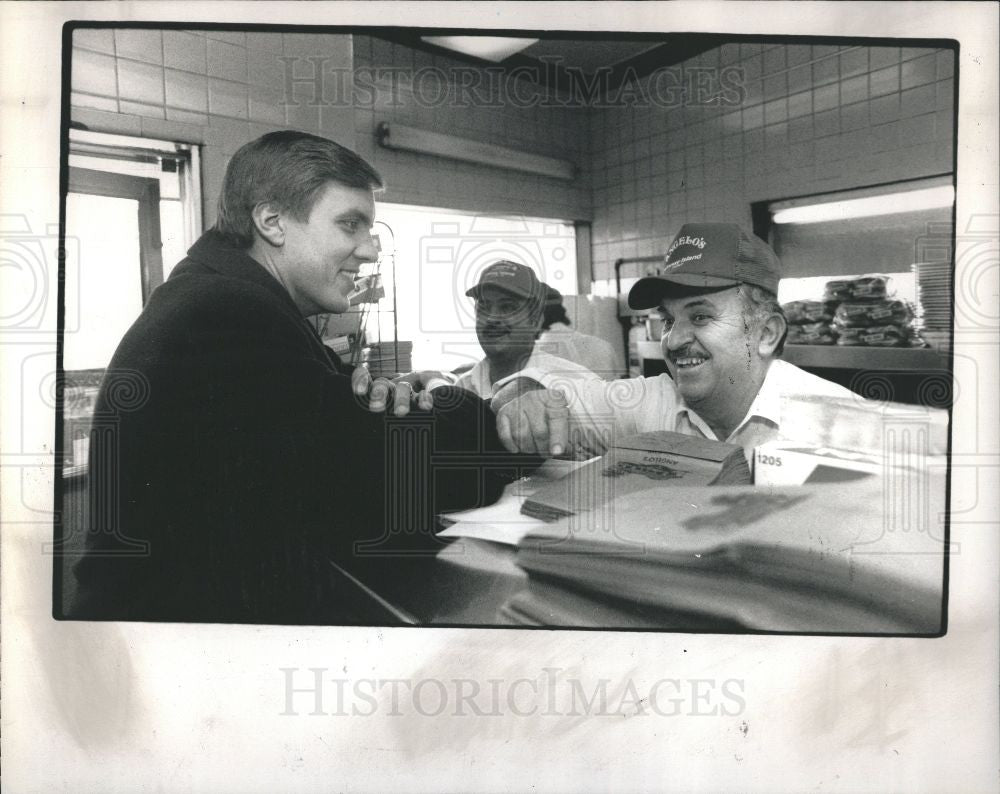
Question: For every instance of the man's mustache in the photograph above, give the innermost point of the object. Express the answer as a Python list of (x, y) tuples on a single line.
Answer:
[(686, 352)]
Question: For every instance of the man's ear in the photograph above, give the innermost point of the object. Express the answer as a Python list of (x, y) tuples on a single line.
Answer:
[(771, 332), (269, 222)]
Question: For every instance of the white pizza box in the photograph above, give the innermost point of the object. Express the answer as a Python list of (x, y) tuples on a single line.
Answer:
[(789, 463)]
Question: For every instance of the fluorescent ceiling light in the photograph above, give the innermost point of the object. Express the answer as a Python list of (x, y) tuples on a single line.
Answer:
[(888, 204), (411, 139), (489, 48)]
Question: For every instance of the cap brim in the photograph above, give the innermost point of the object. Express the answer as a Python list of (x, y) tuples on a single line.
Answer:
[(474, 291), (647, 292)]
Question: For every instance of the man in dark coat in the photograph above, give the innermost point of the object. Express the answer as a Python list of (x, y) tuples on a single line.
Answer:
[(231, 459)]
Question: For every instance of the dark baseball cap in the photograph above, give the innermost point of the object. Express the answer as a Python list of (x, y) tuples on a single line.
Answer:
[(709, 257), (512, 277)]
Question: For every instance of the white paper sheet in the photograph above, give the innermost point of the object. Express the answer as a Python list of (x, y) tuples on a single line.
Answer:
[(503, 522)]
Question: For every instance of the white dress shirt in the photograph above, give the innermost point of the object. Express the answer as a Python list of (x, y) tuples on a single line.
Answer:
[(640, 405)]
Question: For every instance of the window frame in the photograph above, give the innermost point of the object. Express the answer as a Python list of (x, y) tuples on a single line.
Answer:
[(144, 190)]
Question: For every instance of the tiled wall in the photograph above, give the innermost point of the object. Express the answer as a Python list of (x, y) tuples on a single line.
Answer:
[(217, 88), (814, 119), (223, 88), (419, 179)]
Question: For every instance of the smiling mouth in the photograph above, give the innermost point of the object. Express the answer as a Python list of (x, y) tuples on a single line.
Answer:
[(688, 362)]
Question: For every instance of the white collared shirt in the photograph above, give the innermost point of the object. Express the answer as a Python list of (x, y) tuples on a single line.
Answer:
[(555, 370), (641, 405)]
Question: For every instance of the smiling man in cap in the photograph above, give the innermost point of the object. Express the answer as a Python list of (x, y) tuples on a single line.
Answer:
[(723, 335), (510, 303)]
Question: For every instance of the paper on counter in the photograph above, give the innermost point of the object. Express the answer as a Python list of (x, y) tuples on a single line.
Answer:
[(552, 469), (503, 522)]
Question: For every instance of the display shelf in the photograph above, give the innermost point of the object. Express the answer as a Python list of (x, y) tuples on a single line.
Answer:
[(872, 358)]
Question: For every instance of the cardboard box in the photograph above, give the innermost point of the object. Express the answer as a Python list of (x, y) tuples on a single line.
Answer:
[(788, 463)]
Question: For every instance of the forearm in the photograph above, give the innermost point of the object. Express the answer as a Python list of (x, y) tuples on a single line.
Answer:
[(595, 406)]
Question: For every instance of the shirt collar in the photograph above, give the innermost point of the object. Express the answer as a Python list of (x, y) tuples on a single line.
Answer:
[(479, 378), (766, 405)]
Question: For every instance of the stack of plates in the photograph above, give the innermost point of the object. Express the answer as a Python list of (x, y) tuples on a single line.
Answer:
[(934, 292), (389, 358), (934, 295)]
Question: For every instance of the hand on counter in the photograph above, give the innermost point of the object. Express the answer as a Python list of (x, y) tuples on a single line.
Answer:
[(383, 393), (511, 390), (535, 420)]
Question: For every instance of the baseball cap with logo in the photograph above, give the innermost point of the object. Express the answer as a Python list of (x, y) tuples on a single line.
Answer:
[(512, 277), (709, 257)]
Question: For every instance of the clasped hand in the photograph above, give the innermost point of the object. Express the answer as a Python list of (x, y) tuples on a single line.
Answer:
[(398, 395), (530, 419)]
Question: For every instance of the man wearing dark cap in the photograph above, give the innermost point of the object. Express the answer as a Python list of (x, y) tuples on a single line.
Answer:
[(723, 335), (510, 302)]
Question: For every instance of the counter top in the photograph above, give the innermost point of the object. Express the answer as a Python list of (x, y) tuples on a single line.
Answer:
[(874, 358)]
